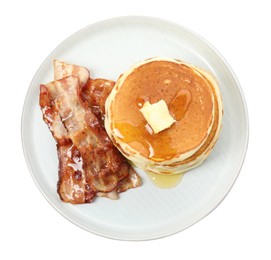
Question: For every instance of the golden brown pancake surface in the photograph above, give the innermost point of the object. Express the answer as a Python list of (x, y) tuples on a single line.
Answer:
[(188, 98), (194, 101)]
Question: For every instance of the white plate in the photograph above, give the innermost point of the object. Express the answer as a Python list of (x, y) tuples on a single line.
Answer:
[(109, 48)]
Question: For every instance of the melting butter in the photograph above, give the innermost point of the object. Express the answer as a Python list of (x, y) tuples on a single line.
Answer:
[(165, 181), (157, 115)]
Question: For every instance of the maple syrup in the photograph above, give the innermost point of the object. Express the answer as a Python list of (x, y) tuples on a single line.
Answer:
[(165, 181)]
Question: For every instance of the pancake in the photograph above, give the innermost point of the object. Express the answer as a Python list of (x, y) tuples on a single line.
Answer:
[(193, 100)]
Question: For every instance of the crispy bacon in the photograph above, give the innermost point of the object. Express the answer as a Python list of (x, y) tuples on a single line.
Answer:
[(95, 93), (72, 186), (89, 164), (63, 70)]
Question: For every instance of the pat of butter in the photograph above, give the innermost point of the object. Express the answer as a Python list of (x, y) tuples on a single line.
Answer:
[(157, 115)]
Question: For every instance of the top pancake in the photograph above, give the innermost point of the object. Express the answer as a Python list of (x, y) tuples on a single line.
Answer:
[(190, 100)]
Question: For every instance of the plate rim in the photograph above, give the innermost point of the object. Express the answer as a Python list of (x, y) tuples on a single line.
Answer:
[(179, 27)]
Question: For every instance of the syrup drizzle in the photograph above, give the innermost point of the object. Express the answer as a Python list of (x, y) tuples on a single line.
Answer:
[(144, 139), (142, 134), (180, 103)]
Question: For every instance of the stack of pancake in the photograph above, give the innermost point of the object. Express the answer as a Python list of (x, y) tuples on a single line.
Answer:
[(193, 100)]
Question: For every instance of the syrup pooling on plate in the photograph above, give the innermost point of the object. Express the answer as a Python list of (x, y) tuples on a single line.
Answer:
[(165, 181)]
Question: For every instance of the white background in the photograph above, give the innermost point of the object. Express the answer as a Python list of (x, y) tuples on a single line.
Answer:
[(239, 228)]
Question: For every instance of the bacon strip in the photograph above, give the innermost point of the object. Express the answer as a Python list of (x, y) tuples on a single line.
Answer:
[(63, 70), (72, 186), (89, 164), (95, 93)]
